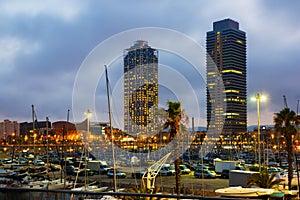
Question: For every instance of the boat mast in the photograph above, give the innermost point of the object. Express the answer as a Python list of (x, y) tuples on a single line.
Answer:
[(33, 131), (47, 151), (111, 130), (86, 148), (68, 115), (67, 130)]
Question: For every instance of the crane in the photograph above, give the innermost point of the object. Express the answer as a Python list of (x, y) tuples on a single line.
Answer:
[(151, 173), (285, 102)]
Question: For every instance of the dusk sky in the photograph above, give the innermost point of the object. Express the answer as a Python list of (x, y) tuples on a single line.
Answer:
[(44, 43)]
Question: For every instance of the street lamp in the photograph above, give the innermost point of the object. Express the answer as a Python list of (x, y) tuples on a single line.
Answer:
[(88, 114), (258, 98)]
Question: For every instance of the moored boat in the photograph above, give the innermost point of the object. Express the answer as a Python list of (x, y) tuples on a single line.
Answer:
[(90, 188), (244, 192)]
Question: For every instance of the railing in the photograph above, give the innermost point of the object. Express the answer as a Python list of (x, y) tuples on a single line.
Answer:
[(44, 194)]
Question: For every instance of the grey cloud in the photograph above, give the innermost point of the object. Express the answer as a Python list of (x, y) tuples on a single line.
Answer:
[(46, 76)]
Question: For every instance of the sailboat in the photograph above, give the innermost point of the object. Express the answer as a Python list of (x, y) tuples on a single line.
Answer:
[(111, 131), (244, 192), (90, 187)]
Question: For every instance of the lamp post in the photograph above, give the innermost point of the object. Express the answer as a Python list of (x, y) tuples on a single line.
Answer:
[(258, 97), (88, 114)]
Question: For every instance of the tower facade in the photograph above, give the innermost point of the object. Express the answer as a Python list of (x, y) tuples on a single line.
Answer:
[(226, 53), (140, 88)]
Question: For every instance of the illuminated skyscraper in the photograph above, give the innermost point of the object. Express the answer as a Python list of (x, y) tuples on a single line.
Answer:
[(140, 88), (226, 50)]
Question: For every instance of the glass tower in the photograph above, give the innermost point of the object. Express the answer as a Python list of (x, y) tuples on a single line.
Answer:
[(226, 52), (140, 88)]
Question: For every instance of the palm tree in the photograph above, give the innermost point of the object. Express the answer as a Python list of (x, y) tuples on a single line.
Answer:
[(173, 122), (263, 179), (286, 122)]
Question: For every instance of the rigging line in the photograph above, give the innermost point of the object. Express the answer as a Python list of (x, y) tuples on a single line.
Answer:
[(111, 130), (114, 106)]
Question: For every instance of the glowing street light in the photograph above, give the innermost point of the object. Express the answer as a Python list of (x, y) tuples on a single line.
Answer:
[(88, 114), (258, 98)]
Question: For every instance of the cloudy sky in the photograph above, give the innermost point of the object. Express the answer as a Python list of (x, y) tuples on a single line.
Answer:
[(44, 43)]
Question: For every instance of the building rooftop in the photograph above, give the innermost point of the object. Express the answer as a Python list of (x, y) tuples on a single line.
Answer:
[(225, 24), (139, 44)]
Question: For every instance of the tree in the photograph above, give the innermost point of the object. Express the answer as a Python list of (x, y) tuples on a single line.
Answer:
[(263, 179), (286, 122), (173, 122)]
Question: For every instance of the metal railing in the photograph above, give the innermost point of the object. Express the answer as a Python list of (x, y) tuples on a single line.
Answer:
[(36, 194)]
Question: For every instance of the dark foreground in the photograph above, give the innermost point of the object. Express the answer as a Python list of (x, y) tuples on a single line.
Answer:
[(36, 194)]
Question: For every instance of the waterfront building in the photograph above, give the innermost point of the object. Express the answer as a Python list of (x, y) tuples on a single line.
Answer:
[(26, 127), (140, 88), (226, 52), (63, 125), (8, 128)]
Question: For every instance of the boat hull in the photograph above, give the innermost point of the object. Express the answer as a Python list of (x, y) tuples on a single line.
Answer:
[(244, 192)]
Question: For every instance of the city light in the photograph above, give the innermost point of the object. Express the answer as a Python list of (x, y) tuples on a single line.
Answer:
[(258, 98), (88, 114)]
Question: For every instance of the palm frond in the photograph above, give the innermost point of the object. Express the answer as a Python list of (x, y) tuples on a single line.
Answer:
[(263, 179)]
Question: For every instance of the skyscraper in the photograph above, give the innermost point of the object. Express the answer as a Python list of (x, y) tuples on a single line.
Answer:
[(226, 52), (140, 88)]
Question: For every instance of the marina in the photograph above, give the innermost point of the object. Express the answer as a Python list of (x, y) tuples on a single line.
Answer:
[(175, 118), (37, 181)]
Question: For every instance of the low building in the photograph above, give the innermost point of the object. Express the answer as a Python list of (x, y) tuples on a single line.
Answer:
[(8, 128)]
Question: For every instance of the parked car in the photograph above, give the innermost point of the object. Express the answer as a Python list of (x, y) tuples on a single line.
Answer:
[(119, 174), (200, 166), (66, 162), (6, 161), (103, 167), (55, 161), (225, 174), (274, 169), (205, 173), (137, 174), (240, 167), (54, 168), (70, 170), (22, 161), (184, 169), (190, 166), (38, 162), (167, 170), (80, 164), (88, 172)]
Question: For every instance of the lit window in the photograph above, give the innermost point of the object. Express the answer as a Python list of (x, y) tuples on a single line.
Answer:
[(211, 73), (234, 91), (240, 41), (232, 114), (232, 71)]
